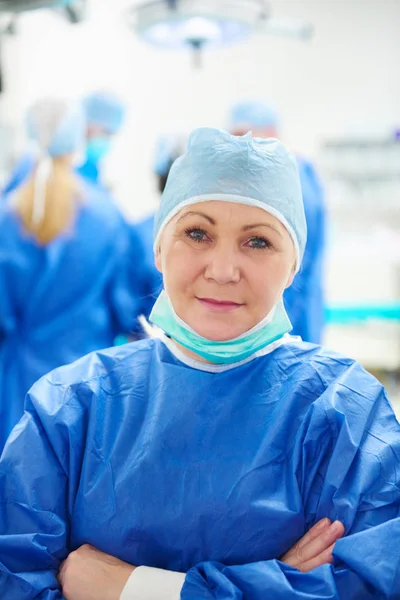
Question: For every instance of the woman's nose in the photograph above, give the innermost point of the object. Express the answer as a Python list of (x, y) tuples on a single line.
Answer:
[(223, 265)]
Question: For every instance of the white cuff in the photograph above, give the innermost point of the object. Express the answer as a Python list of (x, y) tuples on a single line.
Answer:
[(147, 583)]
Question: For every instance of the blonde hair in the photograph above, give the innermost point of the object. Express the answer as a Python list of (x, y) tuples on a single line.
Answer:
[(60, 202)]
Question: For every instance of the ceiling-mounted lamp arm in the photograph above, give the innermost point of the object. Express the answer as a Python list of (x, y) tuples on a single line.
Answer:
[(265, 10), (75, 11), (9, 27), (197, 48), (71, 14), (172, 4), (12, 26)]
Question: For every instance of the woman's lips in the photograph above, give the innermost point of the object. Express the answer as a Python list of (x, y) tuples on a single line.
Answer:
[(219, 305)]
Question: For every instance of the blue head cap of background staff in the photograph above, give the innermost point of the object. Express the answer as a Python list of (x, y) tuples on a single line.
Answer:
[(105, 112), (168, 148), (246, 170), (253, 114)]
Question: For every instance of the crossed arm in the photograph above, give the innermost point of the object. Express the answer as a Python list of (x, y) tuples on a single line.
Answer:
[(88, 574)]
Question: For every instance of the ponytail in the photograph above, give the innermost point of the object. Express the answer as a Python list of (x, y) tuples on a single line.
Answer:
[(60, 196)]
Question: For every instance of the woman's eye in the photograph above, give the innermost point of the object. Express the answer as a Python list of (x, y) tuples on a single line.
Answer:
[(196, 234), (258, 243)]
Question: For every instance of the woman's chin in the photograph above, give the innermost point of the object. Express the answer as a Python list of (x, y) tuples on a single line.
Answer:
[(216, 334), (218, 327)]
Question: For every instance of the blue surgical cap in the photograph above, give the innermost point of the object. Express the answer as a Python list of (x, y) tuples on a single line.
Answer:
[(240, 169), (105, 110), (57, 126), (253, 114), (168, 148)]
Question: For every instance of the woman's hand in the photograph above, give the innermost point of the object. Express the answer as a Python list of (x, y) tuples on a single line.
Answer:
[(315, 547), (88, 574)]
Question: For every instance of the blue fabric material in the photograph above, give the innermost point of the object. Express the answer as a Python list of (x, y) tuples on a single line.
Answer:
[(105, 110), (167, 150), (19, 174), (90, 171), (145, 230), (253, 114), (212, 474), (96, 149), (150, 277), (304, 300), (219, 163), (66, 299), (162, 159)]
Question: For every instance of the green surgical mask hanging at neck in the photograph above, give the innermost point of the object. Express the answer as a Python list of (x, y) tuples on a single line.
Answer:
[(271, 328)]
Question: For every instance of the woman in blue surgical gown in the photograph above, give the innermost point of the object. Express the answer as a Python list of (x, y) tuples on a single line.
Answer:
[(222, 458), (63, 261)]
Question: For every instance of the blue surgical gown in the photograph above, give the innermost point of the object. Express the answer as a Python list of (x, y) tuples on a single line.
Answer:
[(89, 171), (151, 278), (304, 300), (212, 474), (145, 230), (20, 173), (139, 250), (63, 300)]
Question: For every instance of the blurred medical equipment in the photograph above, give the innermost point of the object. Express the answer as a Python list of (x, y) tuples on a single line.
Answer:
[(72, 10), (363, 271), (178, 24), (195, 24)]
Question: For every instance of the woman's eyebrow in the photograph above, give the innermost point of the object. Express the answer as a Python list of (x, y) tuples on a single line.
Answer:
[(247, 227), (198, 214)]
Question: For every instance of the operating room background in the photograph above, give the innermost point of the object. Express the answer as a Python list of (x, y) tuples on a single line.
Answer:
[(339, 100)]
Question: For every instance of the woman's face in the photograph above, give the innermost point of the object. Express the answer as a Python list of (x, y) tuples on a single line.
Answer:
[(225, 266)]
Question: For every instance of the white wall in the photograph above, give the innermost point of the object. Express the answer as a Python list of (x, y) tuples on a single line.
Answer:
[(346, 78)]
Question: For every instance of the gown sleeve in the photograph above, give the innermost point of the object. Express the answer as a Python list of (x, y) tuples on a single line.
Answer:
[(348, 468), (36, 494)]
